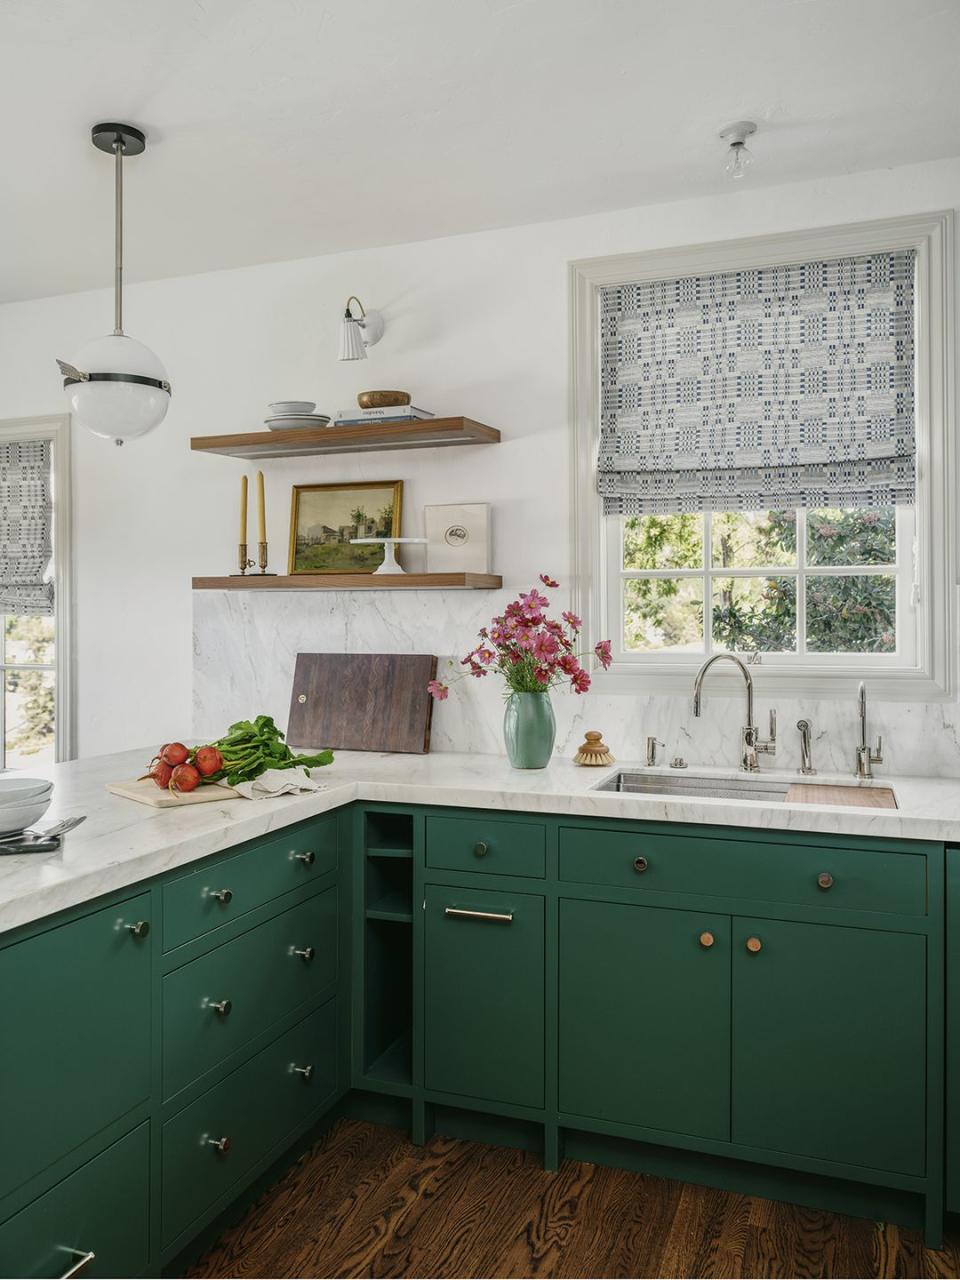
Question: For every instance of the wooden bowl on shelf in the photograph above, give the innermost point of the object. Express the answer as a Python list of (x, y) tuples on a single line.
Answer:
[(382, 399)]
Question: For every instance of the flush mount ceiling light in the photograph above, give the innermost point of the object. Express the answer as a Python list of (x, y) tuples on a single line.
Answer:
[(116, 386), (738, 159), (359, 332)]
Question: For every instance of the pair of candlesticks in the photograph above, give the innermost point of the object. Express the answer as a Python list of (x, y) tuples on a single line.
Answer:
[(244, 562)]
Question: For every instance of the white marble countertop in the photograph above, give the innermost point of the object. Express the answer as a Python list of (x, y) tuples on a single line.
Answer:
[(123, 842)]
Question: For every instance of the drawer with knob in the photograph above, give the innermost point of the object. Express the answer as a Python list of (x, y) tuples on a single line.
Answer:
[(95, 1222), (859, 880), (217, 1003), (73, 999), (479, 843), (210, 1147), (225, 889)]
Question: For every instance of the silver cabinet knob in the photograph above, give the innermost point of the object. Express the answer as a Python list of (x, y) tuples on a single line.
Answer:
[(481, 848), (140, 929), (306, 954), (82, 1258), (222, 895), (306, 1072), (221, 1144), (825, 880), (640, 864), (308, 857), (221, 1007)]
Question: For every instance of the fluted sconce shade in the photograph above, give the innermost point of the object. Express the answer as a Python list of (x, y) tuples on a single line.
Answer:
[(352, 345), (358, 332)]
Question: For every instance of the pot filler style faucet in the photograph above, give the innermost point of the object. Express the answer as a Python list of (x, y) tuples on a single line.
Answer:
[(751, 744)]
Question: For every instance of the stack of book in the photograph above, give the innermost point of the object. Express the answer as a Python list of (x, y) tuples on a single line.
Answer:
[(392, 413)]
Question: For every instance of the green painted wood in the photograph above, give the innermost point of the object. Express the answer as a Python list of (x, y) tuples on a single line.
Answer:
[(829, 1043), (867, 880), (254, 1108), (489, 844), (645, 1017), (262, 978), (484, 996), (75, 1042), (953, 1031), (249, 879), (102, 1208)]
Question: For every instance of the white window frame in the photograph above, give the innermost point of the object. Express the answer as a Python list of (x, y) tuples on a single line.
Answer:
[(928, 674), (57, 430)]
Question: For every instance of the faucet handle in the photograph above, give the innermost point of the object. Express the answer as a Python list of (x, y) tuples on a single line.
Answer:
[(876, 757), (768, 746)]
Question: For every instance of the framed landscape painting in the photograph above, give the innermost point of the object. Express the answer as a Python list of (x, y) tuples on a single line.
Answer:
[(324, 518)]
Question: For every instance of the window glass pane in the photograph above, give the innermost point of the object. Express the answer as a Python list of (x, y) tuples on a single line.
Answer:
[(662, 614), (663, 542), (755, 614), (29, 711), (852, 614), (754, 539), (852, 537), (28, 640)]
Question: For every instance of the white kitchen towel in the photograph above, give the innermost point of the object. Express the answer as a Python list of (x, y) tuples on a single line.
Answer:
[(276, 782)]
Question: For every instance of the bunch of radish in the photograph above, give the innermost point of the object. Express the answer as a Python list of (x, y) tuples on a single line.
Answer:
[(176, 768)]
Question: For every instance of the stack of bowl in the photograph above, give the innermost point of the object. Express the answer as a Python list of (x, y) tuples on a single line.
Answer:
[(23, 801)]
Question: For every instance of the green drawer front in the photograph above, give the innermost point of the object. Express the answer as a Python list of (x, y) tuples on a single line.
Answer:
[(247, 880), (102, 1208), (261, 977), (868, 880), (255, 1107), (480, 843), (74, 1036)]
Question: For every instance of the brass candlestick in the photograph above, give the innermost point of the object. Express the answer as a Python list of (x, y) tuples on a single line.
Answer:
[(245, 564), (262, 558)]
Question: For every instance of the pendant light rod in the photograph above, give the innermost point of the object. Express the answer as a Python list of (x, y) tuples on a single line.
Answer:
[(118, 241)]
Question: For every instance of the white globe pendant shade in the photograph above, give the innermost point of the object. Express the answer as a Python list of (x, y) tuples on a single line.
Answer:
[(114, 408)]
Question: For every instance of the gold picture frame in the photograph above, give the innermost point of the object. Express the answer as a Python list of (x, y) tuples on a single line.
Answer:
[(324, 517)]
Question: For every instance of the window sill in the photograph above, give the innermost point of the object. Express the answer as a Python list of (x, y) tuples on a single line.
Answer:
[(676, 679)]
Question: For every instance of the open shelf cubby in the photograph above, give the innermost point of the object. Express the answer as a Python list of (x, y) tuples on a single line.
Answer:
[(389, 835), (388, 1002), (389, 889)]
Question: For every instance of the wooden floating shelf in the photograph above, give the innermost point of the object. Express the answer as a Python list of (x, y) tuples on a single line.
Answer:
[(353, 582), (429, 434)]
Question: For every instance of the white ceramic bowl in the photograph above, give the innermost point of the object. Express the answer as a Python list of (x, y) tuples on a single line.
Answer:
[(292, 406), (15, 790), (17, 817)]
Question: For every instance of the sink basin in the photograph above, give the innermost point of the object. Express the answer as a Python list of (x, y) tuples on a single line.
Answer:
[(748, 787)]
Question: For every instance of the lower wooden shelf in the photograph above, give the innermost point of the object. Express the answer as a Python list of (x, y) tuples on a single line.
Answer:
[(352, 582)]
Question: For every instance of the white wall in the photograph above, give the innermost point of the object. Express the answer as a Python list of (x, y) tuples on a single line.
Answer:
[(476, 324)]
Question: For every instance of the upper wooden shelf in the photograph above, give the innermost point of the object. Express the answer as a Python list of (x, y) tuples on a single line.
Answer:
[(352, 582), (376, 435)]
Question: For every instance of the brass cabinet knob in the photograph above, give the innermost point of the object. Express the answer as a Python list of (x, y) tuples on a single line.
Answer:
[(306, 954), (221, 1144), (308, 857), (222, 895), (707, 939), (140, 929), (481, 848), (825, 880), (221, 1007), (754, 945), (640, 864), (306, 1072)]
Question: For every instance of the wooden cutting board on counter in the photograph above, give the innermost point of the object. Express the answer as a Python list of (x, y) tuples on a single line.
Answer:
[(362, 701), (836, 793), (147, 792)]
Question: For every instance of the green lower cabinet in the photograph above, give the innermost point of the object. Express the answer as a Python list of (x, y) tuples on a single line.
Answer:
[(953, 1031), (645, 1017), (829, 1043), (100, 1212), (484, 994)]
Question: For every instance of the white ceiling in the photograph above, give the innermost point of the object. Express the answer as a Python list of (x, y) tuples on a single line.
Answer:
[(287, 128)]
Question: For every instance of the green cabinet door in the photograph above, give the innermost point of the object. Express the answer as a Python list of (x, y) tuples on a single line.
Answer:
[(952, 1077), (484, 994), (645, 1016), (829, 1043)]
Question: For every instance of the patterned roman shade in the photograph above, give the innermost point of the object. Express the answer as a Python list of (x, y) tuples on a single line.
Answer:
[(26, 513), (768, 388)]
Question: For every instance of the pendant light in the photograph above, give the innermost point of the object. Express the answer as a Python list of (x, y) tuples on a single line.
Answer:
[(117, 388)]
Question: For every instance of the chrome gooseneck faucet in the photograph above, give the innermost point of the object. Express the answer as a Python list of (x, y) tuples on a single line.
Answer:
[(866, 756), (751, 744)]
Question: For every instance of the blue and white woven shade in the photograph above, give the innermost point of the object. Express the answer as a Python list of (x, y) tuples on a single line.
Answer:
[(26, 516), (764, 389)]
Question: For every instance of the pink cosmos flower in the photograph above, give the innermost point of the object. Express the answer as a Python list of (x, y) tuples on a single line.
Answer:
[(545, 646), (438, 690), (541, 675), (571, 620), (486, 656), (548, 581), (604, 656), (580, 682), (569, 665)]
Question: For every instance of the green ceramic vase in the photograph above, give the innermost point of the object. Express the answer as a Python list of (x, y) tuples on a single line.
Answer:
[(529, 730)]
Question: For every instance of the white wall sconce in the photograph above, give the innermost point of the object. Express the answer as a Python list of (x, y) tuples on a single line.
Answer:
[(359, 332), (738, 158)]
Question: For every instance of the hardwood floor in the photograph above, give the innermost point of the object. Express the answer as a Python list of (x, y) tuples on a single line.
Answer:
[(366, 1202)]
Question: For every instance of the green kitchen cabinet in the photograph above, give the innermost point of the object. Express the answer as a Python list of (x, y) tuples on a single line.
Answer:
[(953, 1029), (484, 994), (644, 1016), (829, 1043)]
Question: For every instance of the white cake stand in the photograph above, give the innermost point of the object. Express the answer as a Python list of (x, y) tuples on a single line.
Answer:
[(390, 563)]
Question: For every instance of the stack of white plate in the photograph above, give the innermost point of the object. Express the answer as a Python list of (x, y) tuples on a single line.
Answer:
[(285, 415), (23, 801)]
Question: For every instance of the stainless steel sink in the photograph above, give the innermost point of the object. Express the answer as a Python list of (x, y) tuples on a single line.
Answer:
[(748, 787)]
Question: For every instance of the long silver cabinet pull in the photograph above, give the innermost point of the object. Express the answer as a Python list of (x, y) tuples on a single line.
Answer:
[(82, 1260), (461, 913)]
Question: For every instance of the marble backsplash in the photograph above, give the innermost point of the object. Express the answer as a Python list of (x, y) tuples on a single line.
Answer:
[(245, 646)]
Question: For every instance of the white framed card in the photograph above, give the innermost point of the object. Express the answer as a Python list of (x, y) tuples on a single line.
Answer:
[(458, 537)]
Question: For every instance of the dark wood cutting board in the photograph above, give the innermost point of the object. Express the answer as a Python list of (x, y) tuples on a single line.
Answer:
[(362, 701)]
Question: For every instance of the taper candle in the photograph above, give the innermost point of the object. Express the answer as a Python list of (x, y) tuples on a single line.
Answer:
[(243, 509), (261, 510)]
